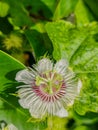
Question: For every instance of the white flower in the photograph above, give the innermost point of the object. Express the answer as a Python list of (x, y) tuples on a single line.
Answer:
[(49, 88), (10, 127)]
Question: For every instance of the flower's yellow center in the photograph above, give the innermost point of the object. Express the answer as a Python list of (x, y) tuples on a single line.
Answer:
[(50, 82)]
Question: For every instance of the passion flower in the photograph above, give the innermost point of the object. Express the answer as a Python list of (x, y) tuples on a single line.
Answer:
[(49, 88)]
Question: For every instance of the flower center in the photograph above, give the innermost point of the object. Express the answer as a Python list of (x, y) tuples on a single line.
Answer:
[(49, 82)]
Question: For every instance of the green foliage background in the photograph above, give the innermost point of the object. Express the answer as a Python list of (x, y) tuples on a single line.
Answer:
[(62, 29)]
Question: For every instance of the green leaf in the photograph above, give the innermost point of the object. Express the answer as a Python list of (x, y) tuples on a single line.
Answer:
[(4, 8), (64, 8), (79, 45), (93, 6), (82, 13), (85, 119), (85, 59), (8, 65), (10, 110), (65, 37), (88, 99)]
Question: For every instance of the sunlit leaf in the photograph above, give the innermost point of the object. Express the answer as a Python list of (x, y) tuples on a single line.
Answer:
[(64, 8), (88, 98), (4, 8), (79, 45), (86, 16)]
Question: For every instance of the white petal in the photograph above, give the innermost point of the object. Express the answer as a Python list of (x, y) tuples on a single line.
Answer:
[(24, 86), (24, 91), (69, 75), (71, 103), (61, 66), (79, 86), (11, 127), (44, 65), (62, 113), (37, 109), (25, 76), (22, 103)]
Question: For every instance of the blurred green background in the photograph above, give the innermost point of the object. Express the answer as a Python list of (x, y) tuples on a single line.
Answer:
[(23, 28)]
